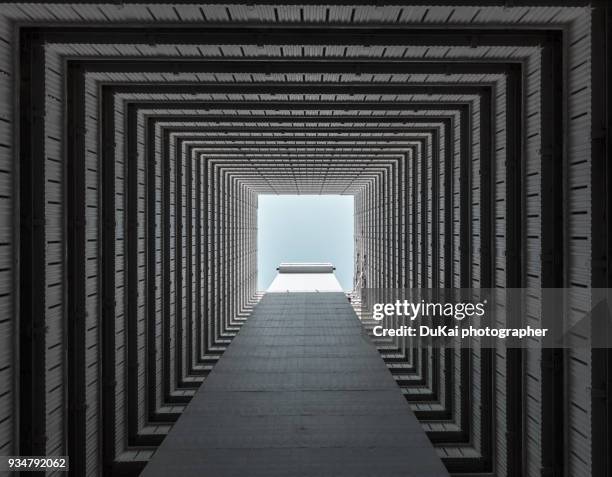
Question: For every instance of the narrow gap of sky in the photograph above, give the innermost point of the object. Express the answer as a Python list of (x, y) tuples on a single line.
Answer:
[(305, 228)]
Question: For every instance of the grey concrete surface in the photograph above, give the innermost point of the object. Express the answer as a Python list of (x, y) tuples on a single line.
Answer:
[(301, 391)]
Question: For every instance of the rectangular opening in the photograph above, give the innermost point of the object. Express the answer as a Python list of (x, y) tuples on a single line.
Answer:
[(305, 228)]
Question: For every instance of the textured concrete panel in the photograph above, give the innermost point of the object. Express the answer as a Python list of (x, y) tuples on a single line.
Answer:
[(301, 391)]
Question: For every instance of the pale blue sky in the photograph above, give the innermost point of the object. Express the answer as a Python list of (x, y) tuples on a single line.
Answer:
[(305, 228)]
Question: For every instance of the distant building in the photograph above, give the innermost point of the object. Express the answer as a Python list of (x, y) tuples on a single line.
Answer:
[(305, 277)]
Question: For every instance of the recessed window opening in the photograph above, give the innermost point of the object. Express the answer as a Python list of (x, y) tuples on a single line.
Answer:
[(305, 228)]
